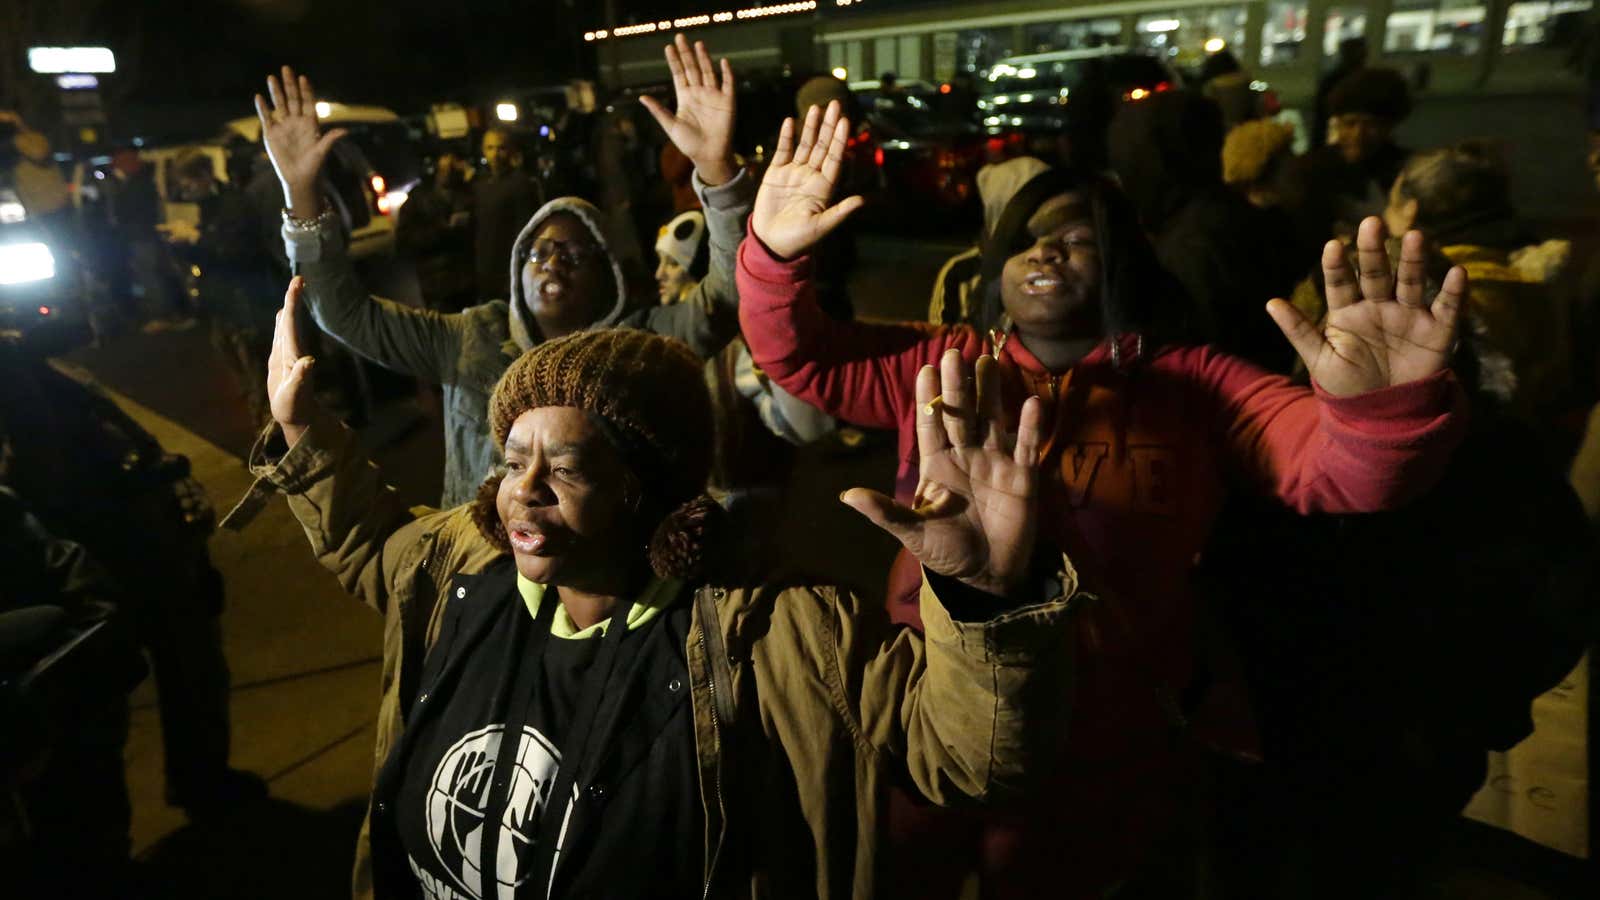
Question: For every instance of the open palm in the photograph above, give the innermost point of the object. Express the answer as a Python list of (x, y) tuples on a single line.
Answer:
[(294, 404), (292, 135), (791, 212), (1380, 329), (702, 127), (975, 515)]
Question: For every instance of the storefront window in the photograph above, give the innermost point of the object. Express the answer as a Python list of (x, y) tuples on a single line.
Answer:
[(1184, 37), (1342, 24), (1544, 24), (1283, 32), (1082, 34), (1435, 26)]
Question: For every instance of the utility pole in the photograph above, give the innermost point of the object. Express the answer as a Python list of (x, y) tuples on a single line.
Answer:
[(612, 51)]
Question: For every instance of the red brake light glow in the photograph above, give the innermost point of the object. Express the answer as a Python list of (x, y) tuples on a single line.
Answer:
[(877, 157)]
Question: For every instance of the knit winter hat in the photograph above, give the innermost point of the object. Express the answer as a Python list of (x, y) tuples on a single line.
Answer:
[(680, 239), (647, 393), (1251, 148), (1375, 91)]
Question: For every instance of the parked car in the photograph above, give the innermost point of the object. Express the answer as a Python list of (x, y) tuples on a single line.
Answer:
[(928, 152), (368, 175), (43, 288), (1057, 105)]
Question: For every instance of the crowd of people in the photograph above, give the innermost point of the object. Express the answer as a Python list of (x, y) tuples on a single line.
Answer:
[(1246, 501)]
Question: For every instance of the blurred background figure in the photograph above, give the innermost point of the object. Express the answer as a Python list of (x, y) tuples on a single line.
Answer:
[(1352, 56), (1255, 156), (503, 199), (1460, 196), (1224, 80), (758, 424), (237, 272), (34, 175), (142, 282), (1227, 257), (1340, 183), (434, 231)]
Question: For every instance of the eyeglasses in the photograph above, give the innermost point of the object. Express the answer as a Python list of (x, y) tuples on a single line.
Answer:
[(571, 253)]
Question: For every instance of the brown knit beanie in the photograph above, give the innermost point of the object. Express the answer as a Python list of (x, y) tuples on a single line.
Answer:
[(647, 393), (1252, 148)]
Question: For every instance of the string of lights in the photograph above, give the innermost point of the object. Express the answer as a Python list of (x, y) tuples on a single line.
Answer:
[(686, 22)]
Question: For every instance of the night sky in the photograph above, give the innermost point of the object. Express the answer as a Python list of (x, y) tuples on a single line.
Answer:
[(397, 51), (183, 59)]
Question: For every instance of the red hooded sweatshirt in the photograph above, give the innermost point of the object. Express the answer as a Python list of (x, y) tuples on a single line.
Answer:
[(1139, 460)]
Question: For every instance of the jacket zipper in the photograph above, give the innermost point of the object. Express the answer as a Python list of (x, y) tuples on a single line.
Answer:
[(716, 778)]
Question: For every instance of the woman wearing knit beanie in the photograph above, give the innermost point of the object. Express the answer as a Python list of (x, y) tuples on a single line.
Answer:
[(676, 734)]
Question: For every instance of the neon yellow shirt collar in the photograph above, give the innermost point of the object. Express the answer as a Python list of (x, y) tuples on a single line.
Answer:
[(657, 596)]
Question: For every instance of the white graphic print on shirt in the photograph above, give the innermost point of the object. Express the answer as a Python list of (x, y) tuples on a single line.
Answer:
[(455, 815)]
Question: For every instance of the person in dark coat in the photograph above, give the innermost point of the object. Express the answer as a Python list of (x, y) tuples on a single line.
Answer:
[(1338, 184), (503, 199), (435, 232), (236, 270), (1352, 56), (1229, 257)]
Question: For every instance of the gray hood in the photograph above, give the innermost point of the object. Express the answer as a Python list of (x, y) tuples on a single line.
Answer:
[(523, 329)]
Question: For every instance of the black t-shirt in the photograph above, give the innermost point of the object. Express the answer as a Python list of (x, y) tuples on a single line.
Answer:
[(636, 830)]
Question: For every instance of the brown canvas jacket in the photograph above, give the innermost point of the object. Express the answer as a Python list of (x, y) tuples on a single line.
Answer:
[(805, 703)]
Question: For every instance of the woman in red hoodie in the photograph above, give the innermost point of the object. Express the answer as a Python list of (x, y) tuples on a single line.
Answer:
[(1148, 436)]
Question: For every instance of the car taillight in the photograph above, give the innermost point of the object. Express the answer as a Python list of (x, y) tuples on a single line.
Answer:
[(877, 157), (1163, 86), (1270, 104)]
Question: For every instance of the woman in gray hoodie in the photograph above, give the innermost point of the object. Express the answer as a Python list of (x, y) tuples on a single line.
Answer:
[(565, 276)]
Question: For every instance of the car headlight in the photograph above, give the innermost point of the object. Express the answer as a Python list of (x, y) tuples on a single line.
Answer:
[(22, 263), (11, 209)]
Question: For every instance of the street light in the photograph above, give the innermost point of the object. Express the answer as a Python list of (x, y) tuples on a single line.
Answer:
[(71, 60), (506, 112), (840, 72)]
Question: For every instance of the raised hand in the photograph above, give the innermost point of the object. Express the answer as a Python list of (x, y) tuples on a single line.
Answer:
[(294, 140), (792, 213), (294, 404), (976, 510), (1380, 330), (702, 129)]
